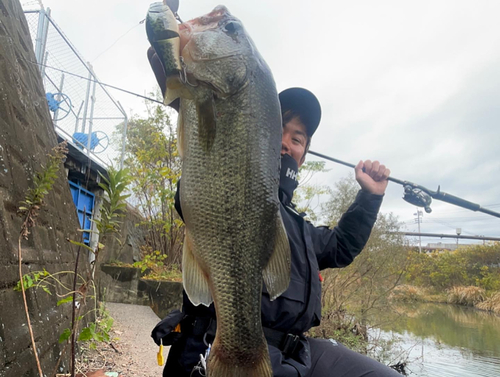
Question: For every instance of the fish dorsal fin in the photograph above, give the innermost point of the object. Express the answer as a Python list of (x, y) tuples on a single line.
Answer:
[(194, 279), (206, 122), (277, 272)]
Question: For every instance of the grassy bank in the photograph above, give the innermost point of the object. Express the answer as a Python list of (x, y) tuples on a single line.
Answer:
[(468, 276), (467, 296)]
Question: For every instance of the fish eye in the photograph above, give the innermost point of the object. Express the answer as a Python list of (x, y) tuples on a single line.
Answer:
[(232, 27)]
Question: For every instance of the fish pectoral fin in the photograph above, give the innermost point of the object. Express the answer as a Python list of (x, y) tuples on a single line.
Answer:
[(194, 279), (277, 272), (206, 122), (180, 132)]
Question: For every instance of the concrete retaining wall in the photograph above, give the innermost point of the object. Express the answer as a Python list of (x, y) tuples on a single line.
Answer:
[(26, 137), (125, 285)]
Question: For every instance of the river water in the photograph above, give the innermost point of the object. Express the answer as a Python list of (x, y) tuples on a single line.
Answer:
[(441, 340)]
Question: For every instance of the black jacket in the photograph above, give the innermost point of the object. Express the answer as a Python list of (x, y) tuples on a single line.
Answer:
[(313, 249)]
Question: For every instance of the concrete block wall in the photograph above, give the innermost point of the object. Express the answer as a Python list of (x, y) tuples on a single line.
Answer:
[(26, 137)]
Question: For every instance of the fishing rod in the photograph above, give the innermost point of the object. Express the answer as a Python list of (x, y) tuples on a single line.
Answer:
[(421, 196)]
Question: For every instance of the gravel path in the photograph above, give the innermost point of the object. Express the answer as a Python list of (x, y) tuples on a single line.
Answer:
[(132, 327)]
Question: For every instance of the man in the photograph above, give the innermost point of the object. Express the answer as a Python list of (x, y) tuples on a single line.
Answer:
[(312, 249)]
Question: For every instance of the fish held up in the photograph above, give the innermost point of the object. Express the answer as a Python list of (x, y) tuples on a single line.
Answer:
[(229, 136)]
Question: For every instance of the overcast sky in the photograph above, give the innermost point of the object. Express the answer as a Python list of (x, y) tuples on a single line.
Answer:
[(415, 85)]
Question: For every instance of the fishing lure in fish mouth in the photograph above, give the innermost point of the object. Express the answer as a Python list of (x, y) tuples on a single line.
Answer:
[(162, 30)]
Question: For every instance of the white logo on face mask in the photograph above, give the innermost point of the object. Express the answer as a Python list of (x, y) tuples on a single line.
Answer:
[(291, 174)]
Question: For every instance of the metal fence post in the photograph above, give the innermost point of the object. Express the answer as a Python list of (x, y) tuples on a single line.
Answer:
[(87, 94), (41, 34), (91, 117), (61, 86), (38, 38), (124, 135), (45, 33), (42, 68), (78, 116)]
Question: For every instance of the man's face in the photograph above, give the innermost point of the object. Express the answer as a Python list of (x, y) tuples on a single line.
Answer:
[(294, 140)]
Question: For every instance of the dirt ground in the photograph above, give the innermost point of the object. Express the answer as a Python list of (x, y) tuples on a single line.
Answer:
[(131, 352)]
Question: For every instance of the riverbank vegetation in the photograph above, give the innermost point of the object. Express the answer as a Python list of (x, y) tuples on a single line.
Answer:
[(351, 294), (467, 276), (390, 271)]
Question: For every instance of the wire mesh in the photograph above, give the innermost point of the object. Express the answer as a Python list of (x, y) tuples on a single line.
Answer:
[(84, 113)]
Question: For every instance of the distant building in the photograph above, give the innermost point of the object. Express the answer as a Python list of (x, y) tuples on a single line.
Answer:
[(432, 247)]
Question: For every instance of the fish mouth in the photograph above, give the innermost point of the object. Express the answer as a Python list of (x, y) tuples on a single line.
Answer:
[(185, 33), (201, 24), (171, 41)]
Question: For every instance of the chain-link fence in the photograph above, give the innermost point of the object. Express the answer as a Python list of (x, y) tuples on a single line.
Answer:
[(84, 113)]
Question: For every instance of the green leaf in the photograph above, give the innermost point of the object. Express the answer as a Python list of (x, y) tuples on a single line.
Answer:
[(105, 336), (103, 177), (29, 282), (87, 230), (65, 335), (103, 186), (46, 289), (86, 334), (65, 300), (82, 245)]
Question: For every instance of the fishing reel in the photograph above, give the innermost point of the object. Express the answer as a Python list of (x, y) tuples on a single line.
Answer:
[(417, 197), (421, 196)]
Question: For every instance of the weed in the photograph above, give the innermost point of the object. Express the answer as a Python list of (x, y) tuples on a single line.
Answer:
[(469, 296), (491, 304), (406, 293)]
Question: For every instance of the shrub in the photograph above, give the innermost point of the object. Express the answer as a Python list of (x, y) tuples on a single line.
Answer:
[(407, 293), (477, 265), (491, 304), (469, 296), (344, 328), (153, 263)]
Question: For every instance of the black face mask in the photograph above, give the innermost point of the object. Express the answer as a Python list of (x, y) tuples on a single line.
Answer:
[(288, 177)]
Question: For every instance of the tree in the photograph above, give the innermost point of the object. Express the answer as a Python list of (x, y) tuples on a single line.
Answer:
[(366, 283), (152, 158), (307, 193)]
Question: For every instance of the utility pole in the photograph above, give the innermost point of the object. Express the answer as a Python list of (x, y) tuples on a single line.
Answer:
[(459, 232), (418, 220)]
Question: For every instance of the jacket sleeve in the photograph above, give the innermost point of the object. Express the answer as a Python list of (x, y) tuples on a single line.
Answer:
[(339, 246)]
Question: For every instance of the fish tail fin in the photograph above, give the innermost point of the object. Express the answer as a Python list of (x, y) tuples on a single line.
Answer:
[(219, 366)]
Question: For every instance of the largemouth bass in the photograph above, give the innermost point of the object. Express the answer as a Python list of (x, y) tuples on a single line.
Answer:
[(229, 136)]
